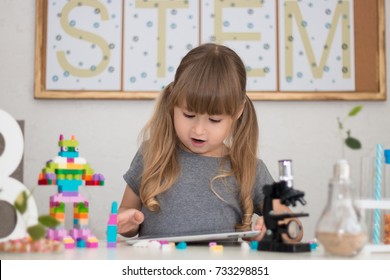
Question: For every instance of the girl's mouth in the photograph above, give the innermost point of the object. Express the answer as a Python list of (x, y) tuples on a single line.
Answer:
[(197, 142)]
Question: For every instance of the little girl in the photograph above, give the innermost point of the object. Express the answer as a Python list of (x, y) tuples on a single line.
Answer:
[(197, 168)]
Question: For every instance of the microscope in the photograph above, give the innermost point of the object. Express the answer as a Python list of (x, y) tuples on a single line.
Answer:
[(279, 224)]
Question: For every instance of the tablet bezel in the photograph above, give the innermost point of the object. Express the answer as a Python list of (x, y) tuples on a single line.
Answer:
[(197, 237)]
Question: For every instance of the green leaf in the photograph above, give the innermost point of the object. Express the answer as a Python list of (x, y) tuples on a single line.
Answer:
[(355, 110), (36, 232), (353, 143), (21, 202), (48, 221)]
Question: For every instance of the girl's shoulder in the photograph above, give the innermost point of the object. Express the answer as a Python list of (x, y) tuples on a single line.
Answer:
[(262, 171), (260, 163)]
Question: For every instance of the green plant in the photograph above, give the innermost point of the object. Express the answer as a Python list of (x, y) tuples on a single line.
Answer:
[(351, 142), (37, 231)]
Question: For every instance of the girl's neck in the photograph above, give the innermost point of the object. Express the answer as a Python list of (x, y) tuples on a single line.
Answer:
[(224, 151)]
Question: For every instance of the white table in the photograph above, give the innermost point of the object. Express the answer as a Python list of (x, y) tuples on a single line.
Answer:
[(198, 252)]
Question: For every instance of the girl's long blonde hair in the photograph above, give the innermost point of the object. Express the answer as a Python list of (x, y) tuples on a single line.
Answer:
[(210, 79)]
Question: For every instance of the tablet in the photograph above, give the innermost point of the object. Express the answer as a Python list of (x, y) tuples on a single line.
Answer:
[(197, 237)]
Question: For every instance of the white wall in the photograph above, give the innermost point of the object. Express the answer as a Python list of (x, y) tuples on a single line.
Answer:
[(107, 130)]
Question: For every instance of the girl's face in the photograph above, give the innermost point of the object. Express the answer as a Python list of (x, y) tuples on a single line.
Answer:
[(201, 133)]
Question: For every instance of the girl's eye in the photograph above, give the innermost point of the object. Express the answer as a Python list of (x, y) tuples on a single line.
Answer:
[(215, 120), (189, 116)]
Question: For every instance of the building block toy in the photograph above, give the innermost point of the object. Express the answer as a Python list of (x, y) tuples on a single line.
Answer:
[(166, 247), (181, 246), (68, 242), (28, 245), (216, 248), (254, 245), (154, 244), (92, 242), (245, 246), (81, 243), (112, 226), (69, 171)]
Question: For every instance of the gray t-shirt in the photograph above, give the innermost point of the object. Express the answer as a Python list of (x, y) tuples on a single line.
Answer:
[(191, 204)]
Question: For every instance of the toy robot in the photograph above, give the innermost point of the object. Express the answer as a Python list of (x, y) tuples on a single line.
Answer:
[(68, 171)]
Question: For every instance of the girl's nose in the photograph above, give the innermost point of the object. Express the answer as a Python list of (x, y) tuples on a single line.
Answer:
[(199, 127)]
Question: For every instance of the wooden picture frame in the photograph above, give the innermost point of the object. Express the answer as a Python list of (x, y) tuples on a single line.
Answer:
[(368, 57)]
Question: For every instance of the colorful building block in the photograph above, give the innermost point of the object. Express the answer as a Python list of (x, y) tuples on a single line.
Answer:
[(181, 245), (68, 242), (69, 171), (216, 248), (92, 242), (254, 245), (112, 226)]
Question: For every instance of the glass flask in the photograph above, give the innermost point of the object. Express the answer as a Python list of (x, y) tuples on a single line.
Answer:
[(340, 229)]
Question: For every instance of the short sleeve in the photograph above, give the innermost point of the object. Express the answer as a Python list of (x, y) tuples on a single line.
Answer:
[(263, 177), (134, 174)]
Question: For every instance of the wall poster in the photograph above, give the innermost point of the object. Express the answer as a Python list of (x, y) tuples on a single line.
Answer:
[(292, 49)]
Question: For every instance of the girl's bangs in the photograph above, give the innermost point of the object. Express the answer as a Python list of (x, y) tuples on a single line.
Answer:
[(211, 94)]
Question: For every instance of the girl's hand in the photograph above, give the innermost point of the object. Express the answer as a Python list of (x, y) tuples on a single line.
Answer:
[(129, 221), (258, 226)]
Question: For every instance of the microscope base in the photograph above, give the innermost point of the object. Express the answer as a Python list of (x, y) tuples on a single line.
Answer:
[(283, 247)]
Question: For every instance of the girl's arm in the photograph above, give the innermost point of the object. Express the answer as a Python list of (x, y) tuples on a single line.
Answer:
[(129, 214)]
